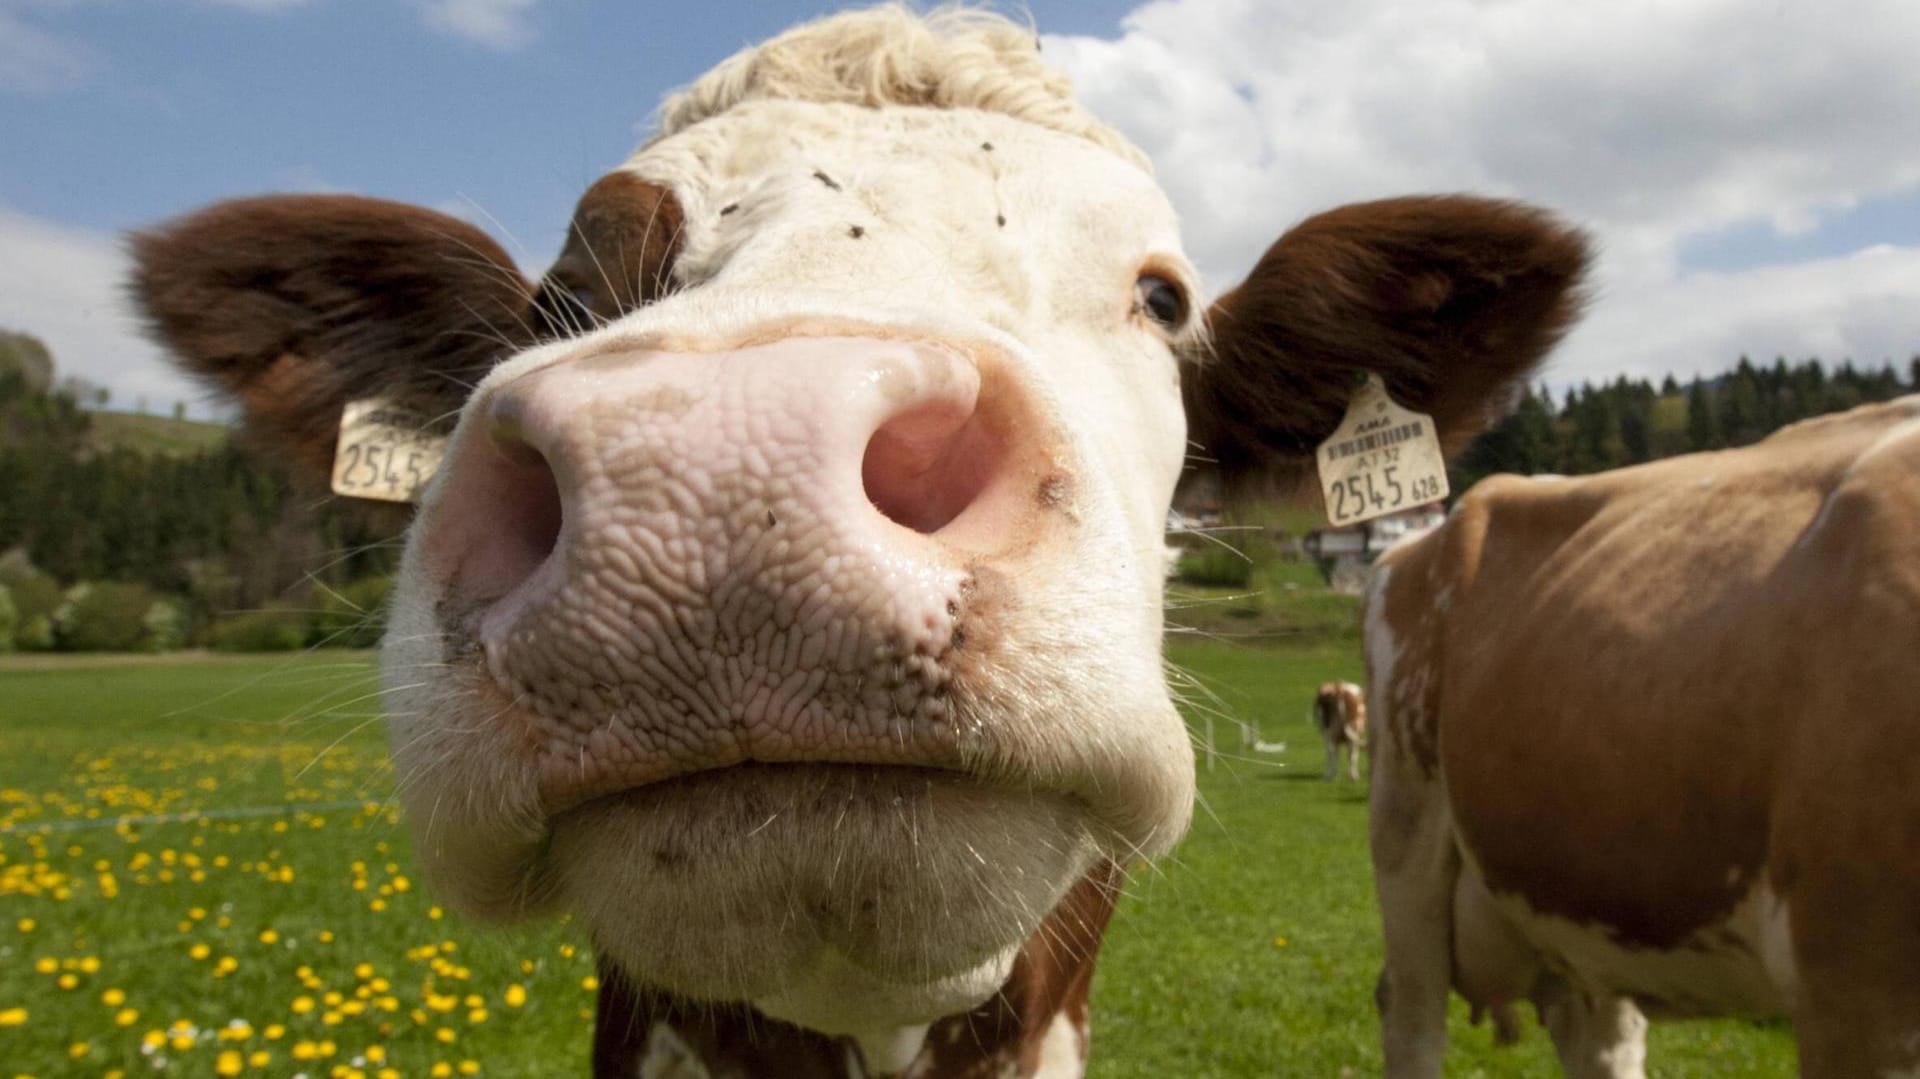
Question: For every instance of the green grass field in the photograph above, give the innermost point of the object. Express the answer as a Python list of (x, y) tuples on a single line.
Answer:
[(260, 917)]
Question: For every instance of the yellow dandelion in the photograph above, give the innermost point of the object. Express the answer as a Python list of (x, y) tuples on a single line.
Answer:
[(590, 983), (363, 971), (229, 1063), (440, 1070), (469, 1067), (12, 1017), (274, 1032), (125, 1017), (113, 998), (260, 1058), (25, 925), (477, 1015), (79, 1049), (302, 1005), (67, 981), (445, 1035), (199, 952), (46, 964), (268, 936), (515, 996)]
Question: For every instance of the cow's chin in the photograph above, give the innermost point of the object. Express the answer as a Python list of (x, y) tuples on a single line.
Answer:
[(848, 899)]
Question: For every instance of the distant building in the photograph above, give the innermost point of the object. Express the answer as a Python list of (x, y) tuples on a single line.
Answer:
[(1344, 554)]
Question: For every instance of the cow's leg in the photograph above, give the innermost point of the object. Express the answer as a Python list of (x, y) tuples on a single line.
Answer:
[(1353, 760), (1414, 866), (1333, 755), (1597, 1035)]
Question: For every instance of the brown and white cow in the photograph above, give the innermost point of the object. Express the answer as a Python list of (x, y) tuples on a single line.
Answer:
[(788, 605), (1648, 742), (1340, 715)]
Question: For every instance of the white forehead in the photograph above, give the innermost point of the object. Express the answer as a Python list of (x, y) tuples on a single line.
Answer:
[(932, 202)]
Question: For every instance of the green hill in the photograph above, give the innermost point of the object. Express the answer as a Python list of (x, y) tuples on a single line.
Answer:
[(142, 433)]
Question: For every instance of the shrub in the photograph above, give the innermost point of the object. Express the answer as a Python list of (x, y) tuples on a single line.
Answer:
[(104, 616), (354, 615), (275, 629), (1215, 566), (9, 619), (35, 596), (167, 625)]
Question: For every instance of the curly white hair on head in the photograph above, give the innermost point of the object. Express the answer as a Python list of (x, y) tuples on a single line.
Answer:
[(950, 58)]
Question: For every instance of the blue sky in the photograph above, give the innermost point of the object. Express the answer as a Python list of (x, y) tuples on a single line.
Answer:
[(1750, 172), (167, 104)]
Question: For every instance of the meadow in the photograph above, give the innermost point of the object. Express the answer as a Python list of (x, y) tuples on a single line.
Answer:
[(200, 875)]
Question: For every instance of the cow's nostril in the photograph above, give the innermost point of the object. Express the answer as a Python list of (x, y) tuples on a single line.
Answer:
[(925, 466), (502, 515)]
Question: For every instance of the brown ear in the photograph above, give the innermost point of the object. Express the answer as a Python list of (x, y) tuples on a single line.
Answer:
[(292, 306), (1452, 300)]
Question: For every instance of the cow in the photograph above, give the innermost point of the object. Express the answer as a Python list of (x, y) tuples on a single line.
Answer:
[(1340, 714), (787, 603), (1645, 745)]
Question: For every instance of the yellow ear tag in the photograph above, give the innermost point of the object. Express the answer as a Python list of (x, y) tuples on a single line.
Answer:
[(383, 453), (1381, 459)]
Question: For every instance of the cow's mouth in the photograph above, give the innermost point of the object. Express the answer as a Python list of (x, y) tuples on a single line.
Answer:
[(792, 884)]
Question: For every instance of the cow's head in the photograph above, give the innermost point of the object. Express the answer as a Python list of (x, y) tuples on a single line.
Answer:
[(789, 602)]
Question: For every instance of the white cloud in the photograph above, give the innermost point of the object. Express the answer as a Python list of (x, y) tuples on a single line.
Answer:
[(499, 24), (66, 286), (37, 62), (1648, 121)]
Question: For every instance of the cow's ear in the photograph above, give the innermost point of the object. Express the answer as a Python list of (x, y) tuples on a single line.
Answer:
[(291, 306), (1451, 300)]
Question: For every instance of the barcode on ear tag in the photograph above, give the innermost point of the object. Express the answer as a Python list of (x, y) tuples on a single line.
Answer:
[(383, 453), (1381, 459)]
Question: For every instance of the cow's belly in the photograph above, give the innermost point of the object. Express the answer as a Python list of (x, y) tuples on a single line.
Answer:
[(1742, 965)]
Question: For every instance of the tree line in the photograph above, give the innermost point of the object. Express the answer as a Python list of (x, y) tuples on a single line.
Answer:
[(130, 549), (1625, 422)]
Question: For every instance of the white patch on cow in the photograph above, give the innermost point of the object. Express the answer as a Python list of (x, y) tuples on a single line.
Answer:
[(1776, 943), (890, 1051), (668, 1057), (1062, 1051), (1380, 643), (1893, 437), (1741, 966)]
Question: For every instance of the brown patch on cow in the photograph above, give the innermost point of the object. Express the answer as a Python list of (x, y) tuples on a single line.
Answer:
[(619, 252), (1452, 300), (1052, 493), (856, 231), (295, 305)]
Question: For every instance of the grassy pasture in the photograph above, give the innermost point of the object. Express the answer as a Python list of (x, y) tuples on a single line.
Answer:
[(227, 933)]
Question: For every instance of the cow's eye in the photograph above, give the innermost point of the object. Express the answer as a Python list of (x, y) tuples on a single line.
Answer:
[(569, 308), (1161, 300)]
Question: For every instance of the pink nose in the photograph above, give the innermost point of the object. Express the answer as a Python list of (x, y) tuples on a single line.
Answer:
[(735, 555)]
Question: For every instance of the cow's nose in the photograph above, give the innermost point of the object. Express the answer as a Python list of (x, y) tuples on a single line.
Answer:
[(685, 466)]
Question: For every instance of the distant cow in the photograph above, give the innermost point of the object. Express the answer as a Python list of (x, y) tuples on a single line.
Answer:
[(1649, 742), (789, 602), (1340, 714)]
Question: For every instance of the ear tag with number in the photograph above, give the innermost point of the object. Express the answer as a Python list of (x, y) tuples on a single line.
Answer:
[(1381, 459), (383, 453)]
